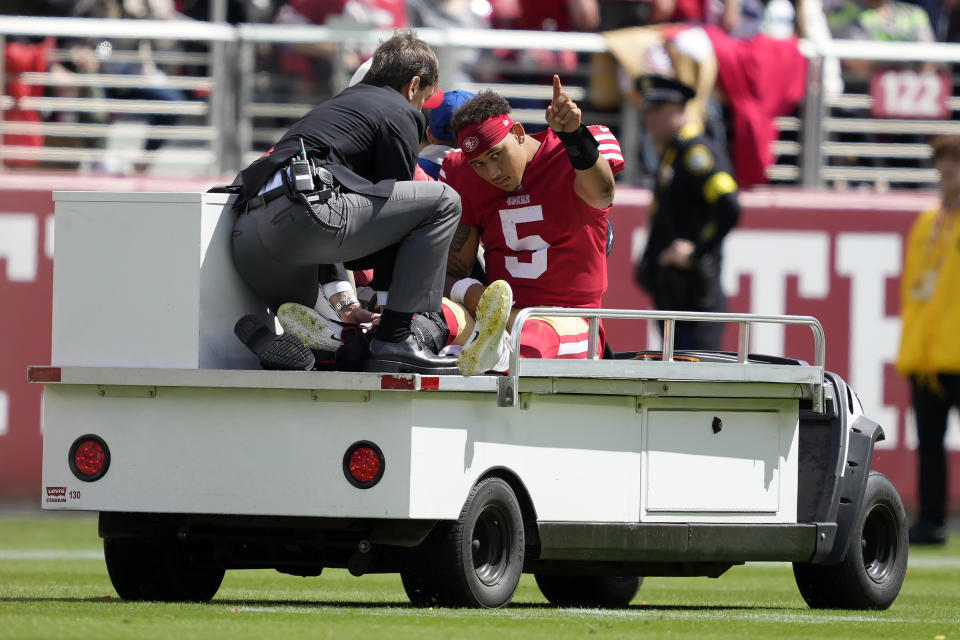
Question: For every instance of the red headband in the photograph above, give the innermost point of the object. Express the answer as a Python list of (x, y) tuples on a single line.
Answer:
[(475, 139)]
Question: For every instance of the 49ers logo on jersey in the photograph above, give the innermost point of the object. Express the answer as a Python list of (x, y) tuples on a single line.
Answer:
[(470, 144)]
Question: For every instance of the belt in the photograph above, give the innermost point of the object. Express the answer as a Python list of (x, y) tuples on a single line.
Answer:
[(312, 197), (261, 200)]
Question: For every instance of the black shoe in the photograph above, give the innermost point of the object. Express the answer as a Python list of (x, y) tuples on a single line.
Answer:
[(275, 352), (924, 532), (430, 330), (408, 356)]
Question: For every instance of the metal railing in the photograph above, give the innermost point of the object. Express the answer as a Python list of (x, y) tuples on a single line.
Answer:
[(837, 138), (237, 102), (740, 371)]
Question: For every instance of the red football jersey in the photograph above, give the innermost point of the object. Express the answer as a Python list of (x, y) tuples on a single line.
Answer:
[(542, 239)]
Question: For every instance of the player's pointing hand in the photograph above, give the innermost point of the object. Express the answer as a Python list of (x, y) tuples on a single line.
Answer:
[(563, 114)]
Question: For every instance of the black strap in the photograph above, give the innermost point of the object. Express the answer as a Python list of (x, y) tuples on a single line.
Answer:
[(225, 188), (268, 196)]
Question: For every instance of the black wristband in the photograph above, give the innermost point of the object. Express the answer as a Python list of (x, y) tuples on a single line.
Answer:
[(581, 146)]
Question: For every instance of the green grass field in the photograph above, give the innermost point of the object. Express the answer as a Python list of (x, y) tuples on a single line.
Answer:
[(53, 585)]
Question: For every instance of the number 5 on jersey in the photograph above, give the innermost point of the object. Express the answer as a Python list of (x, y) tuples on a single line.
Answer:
[(509, 219)]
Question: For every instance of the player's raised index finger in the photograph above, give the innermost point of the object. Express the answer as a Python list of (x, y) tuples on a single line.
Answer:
[(557, 89)]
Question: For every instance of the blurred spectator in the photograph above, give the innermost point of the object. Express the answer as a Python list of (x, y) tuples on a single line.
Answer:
[(950, 24), (465, 14), (557, 15), (929, 350), (880, 20), (620, 14), (936, 13), (48, 8), (471, 14), (379, 14), (103, 61), (747, 23), (773, 18), (779, 19), (315, 65), (23, 54), (725, 14), (548, 15), (237, 10), (21, 57)]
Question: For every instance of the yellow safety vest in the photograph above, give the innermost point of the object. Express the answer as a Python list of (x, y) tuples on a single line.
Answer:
[(930, 296)]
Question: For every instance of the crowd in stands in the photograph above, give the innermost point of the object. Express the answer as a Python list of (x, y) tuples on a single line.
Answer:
[(740, 55)]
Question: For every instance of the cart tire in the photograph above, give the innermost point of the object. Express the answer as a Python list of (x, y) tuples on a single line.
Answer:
[(607, 592), (479, 558), (420, 584), (157, 569), (871, 574)]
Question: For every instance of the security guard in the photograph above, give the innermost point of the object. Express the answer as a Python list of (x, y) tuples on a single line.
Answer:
[(694, 206)]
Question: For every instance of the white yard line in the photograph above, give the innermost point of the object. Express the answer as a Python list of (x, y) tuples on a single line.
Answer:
[(721, 613), (51, 554), (914, 562)]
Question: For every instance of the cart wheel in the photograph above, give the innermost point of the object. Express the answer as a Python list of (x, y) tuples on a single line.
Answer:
[(478, 559), (871, 574), (609, 592), (420, 583), (157, 569)]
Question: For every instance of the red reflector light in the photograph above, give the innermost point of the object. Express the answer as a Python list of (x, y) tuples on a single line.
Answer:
[(363, 464), (89, 458)]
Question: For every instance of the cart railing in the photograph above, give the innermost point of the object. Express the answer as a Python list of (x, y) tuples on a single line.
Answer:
[(740, 371)]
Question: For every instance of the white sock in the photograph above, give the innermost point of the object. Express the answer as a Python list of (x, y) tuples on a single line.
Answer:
[(503, 363)]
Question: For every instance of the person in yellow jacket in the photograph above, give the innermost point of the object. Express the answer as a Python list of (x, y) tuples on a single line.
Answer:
[(930, 340)]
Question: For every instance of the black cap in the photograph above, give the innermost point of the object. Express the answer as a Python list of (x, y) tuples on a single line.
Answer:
[(663, 90)]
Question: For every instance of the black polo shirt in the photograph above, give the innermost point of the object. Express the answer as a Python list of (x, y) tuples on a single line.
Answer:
[(368, 136)]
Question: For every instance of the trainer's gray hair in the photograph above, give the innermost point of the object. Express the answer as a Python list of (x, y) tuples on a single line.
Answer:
[(403, 56)]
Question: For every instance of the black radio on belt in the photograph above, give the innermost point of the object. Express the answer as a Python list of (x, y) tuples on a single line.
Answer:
[(302, 171)]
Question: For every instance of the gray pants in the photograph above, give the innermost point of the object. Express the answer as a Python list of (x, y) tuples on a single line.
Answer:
[(277, 247)]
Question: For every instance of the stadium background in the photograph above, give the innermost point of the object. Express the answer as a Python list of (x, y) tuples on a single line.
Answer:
[(836, 257), (799, 249)]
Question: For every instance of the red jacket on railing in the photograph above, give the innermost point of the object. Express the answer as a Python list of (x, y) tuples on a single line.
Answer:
[(762, 78)]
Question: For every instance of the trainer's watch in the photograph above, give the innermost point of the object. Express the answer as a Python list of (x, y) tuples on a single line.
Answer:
[(343, 304)]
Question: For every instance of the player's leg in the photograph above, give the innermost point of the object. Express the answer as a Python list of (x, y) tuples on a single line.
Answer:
[(544, 337), (459, 322)]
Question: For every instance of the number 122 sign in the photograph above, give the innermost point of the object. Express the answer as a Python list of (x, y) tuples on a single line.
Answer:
[(906, 93)]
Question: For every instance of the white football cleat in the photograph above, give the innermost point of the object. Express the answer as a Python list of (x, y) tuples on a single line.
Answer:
[(312, 328), (482, 351)]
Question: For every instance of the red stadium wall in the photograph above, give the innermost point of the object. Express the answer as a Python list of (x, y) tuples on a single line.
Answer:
[(836, 257), (26, 285)]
